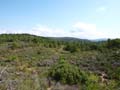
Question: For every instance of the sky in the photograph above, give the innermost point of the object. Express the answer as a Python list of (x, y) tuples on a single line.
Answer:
[(85, 19)]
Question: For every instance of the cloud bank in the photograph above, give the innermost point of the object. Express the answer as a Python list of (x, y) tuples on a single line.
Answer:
[(78, 30)]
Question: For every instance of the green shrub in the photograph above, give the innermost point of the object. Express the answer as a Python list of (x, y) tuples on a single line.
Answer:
[(115, 73), (15, 45), (67, 73), (12, 58), (92, 83), (71, 48)]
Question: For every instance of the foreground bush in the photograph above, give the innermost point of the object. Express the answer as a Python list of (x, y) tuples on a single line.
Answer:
[(67, 73)]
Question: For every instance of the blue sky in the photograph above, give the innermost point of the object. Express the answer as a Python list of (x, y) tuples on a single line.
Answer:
[(89, 19)]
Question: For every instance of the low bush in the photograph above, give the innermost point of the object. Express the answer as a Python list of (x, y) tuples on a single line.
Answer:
[(67, 73)]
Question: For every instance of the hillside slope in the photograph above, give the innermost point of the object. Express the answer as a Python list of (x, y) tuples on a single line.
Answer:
[(25, 61)]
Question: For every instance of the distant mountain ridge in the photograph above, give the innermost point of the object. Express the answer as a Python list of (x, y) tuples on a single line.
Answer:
[(101, 39), (71, 39), (77, 39)]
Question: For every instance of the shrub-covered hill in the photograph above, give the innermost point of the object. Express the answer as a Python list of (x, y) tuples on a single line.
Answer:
[(26, 61)]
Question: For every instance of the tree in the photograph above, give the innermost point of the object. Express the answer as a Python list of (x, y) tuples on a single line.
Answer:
[(115, 43), (71, 47)]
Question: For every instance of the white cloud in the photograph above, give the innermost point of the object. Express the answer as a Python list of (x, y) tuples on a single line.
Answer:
[(3, 30), (101, 9), (84, 26), (110, 33), (8, 31), (78, 30), (87, 30), (47, 31)]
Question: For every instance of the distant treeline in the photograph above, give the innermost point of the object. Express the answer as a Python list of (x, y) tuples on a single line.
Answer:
[(69, 44)]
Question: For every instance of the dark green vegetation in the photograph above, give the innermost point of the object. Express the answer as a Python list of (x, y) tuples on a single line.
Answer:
[(29, 62), (67, 73)]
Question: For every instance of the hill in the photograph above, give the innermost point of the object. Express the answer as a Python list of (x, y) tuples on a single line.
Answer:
[(69, 39), (26, 60)]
